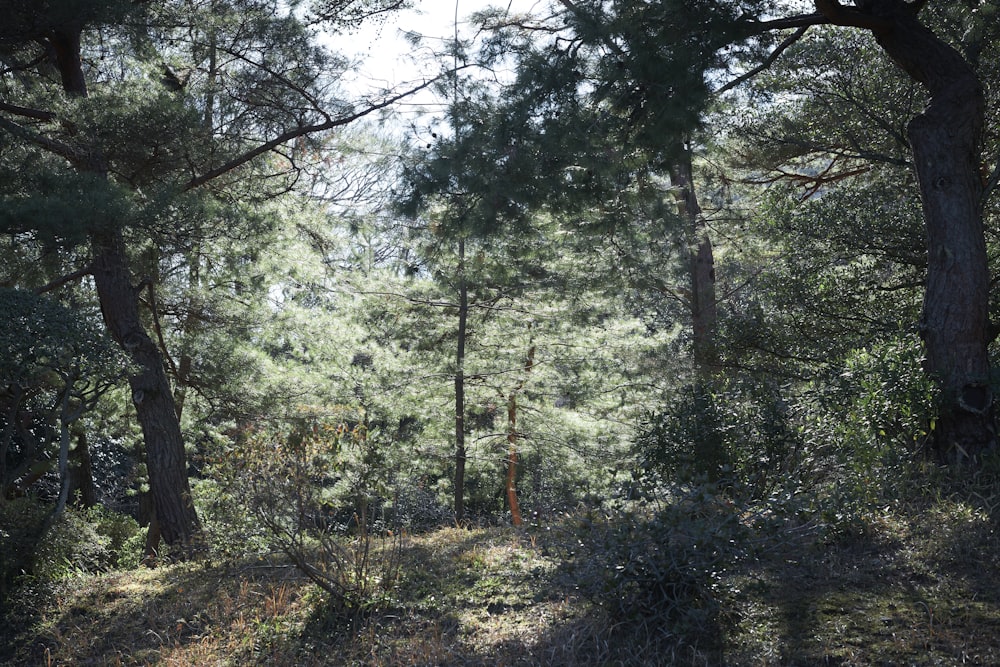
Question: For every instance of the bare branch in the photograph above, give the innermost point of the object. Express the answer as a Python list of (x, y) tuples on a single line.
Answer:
[(794, 37), (62, 280), (38, 114), (803, 20), (301, 131)]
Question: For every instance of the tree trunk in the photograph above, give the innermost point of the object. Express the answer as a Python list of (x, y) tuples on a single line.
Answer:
[(154, 403), (81, 471), (151, 394), (704, 309), (463, 323), (511, 478), (945, 140), (512, 435)]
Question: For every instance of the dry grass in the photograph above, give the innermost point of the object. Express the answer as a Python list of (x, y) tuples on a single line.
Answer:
[(919, 587)]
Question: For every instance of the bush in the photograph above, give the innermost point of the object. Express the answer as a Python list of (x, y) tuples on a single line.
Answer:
[(21, 523), (315, 487), (658, 571), (870, 422), (91, 540), (739, 434)]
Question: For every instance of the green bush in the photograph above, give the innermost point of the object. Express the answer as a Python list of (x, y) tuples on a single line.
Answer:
[(21, 522), (869, 423), (658, 571), (91, 540), (738, 433)]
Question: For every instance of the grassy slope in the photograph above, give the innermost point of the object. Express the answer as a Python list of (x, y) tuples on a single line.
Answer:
[(919, 587)]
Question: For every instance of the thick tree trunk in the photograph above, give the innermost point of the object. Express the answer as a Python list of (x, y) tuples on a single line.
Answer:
[(151, 394), (945, 140)]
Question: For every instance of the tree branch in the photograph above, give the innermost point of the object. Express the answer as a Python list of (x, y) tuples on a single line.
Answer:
[(300, 131), (838, 14), (38, 114), (72, 154), (800, 21), (62, 280), (794, 37)]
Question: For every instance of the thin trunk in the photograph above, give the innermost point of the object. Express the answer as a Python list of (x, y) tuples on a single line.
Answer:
[(64, 421), (82, 471), (704, 309), (511, 488), (186, 362), (512, 438), (151, 393), (945, 140), (463, 321)]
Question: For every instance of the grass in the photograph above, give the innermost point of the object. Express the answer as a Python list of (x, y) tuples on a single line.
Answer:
[(916, 585)]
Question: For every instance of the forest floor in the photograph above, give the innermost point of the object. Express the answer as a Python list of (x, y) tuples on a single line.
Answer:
[(920, 586)]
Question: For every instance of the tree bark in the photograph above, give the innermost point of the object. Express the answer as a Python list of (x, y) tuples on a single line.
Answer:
[(81, 471), (945, 140), (512, 436), (463, 324), (151, 394), (704, 309)]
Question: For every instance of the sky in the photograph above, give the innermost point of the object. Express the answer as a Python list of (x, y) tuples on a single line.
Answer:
[(388, 60)]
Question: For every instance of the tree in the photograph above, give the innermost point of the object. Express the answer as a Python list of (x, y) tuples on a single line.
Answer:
[(55, 368), (134, 145), (655, 63)]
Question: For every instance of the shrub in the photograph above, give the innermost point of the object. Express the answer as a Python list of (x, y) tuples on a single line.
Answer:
[(738, 433), (21, 523), (658, 571), (870, 422), (91, 540), (296, 479)]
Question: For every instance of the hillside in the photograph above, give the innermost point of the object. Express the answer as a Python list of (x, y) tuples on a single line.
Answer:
[(917, 587)]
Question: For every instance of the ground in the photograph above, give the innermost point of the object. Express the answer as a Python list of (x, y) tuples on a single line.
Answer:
[(916, 585)]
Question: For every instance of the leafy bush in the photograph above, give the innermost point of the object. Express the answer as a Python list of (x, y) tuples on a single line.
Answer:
[(91, 540), (21, 523), (658, 571), (870, 422), (739, 433)]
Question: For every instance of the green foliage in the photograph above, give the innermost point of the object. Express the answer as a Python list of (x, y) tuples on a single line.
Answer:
[(40, 334), (91, 540), (34, 547), (740, 433), (658, 570), (871, 422), (21, 524), (62, 207)]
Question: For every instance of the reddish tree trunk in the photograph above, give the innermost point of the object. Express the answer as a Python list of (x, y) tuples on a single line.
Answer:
[(512, 456)]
